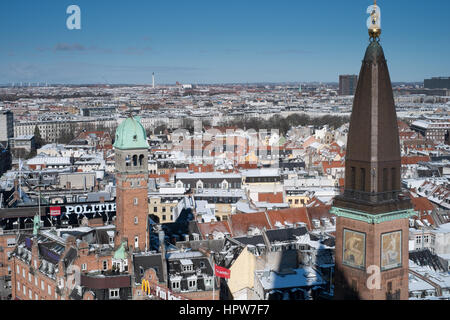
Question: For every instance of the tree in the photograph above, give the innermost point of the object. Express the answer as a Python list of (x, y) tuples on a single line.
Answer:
[(37, 138), (160, 128)]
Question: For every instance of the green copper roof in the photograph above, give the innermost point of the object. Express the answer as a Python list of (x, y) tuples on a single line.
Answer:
[(371, 218), (131, 135), (121, 252)]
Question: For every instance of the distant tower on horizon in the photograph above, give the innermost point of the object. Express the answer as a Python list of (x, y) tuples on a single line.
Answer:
[(347, 84), (372, 225), (153, 80)]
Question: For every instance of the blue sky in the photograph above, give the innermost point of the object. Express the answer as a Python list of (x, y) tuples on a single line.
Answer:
[(213, 41)]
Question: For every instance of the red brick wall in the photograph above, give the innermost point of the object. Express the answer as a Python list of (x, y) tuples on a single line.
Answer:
[(127, 210), (398, 276)]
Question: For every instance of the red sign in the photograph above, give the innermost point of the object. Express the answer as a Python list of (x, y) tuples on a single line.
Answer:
[(55, 211), (222, 272)]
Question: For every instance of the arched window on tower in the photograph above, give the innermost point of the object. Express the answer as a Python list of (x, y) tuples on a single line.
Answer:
[(141, 160), (127, 160), (135, 161)]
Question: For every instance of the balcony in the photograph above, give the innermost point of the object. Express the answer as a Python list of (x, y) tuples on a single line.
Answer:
[(373, 197), (372, 202)]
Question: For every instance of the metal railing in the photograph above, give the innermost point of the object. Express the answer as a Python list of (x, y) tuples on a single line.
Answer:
[(373, 197)]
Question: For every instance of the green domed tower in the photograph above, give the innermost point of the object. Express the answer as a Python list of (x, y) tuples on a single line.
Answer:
[(131, 162), (130, 134)]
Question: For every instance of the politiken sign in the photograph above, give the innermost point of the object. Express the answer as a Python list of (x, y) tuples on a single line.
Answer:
[(222, 272)]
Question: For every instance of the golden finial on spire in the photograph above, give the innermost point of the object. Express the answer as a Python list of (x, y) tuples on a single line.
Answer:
[(374, 21)]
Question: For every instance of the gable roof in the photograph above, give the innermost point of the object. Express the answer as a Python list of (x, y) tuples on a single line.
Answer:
[(210, 227), (291, 215), (242, 222)]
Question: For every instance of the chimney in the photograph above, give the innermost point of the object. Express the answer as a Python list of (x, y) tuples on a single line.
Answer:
[(162, 248), (16, 190)]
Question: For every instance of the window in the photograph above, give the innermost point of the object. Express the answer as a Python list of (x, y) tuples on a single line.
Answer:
[(36, 296), (176, 285), (136, 242), (23, 273), (42, 284), (418, 239), (18, 269), (83, 267), (426, 238), (192, 284), (105, 264), (36, 281), (18, 285), (136, 220), (135, 201), (49, 289), (354, 285), (114, 293), (29, 277), (24, 290), (30, 294), (164, 217)]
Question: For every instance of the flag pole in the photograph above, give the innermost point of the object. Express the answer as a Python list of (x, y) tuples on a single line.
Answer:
[(214, 282)]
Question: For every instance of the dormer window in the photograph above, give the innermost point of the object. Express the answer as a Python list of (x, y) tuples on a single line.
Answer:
[(135, 137)]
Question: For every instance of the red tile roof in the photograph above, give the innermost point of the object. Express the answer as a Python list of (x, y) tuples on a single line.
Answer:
[(292, 215), (271, 197), (414, 159), (424, 206), (209, 228), (241, 222), (332, 164)]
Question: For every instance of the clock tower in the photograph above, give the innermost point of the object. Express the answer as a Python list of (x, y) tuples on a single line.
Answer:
[(372, 225), (131, 172)]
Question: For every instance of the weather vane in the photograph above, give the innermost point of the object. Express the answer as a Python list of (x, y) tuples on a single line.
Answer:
[(374, 21)]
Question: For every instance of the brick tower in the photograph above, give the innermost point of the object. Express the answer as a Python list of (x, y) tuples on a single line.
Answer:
[(372, 226), (131, 160)]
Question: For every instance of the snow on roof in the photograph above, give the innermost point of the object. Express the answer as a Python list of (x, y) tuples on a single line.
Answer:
[(184, 255), (302, 277), (421, 124), (207, 175), (417, 284), (49, 160), (443, 228), (264, 172)]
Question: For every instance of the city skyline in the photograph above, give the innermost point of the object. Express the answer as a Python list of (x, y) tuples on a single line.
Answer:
[(204, 42)]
